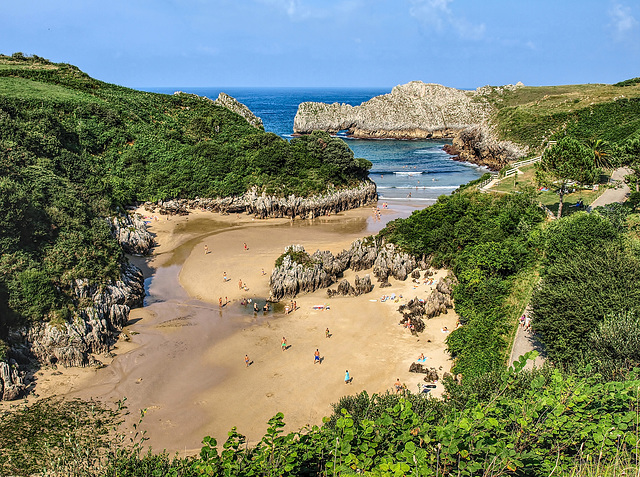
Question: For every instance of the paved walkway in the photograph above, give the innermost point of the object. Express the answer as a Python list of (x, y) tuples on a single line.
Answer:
[(526, 341), (619, 194)]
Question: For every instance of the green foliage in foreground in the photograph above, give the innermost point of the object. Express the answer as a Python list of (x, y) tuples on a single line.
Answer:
[(487, 240), (525, 424), (74, 150)]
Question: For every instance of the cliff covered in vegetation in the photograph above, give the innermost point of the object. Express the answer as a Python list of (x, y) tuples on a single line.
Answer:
[(75, 151)]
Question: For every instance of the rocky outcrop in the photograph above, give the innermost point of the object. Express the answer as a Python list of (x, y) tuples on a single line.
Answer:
[(232, 104), (237, 107), (412, 110), (300, 272), (477, 145), (12, 382), (131, 233), (361, 286), (102, 311), (439, 301), (420, 110), (262, 205)]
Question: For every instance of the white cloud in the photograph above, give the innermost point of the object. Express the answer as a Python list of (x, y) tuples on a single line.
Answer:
[(622, 21), (437, 15)]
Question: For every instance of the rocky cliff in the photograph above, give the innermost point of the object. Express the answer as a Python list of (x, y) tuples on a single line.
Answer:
[(232, 104), (237, 107), (102, 311), (412, 110), (263, 206), (131, 233), (418, 110)]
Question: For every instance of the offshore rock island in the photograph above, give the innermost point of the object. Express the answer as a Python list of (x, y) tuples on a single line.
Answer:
[(418, 110)]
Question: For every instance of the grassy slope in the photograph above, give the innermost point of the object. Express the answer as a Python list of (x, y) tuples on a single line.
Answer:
[(533, 115)]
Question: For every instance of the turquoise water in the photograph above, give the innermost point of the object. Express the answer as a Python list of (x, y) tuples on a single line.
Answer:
[(405, 171)]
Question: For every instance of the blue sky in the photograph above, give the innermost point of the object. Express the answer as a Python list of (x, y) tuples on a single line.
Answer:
[(381, 43)]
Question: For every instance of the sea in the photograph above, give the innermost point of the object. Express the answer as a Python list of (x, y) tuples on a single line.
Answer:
[(412, 172)]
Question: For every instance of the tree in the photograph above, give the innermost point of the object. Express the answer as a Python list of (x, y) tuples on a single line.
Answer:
[(601, 152), (588, 273), (564, 163)]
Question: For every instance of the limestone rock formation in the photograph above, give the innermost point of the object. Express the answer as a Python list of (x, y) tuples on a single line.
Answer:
[(301, 272), (232, 104), (419, 110), (237, 107), (93, 329), (361, 286), (131, 233), (12, 383), (263, 206), (412, 110), (476, 144)]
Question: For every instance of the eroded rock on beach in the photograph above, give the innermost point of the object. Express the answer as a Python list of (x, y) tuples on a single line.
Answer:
[(102, 313), (264, 206), (131, 233), (300, 272)]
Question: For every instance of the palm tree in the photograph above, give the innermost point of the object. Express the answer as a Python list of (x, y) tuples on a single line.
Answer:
[(601, 152)]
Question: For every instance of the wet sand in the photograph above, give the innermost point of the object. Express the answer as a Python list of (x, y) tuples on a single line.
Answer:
[(184, 361)]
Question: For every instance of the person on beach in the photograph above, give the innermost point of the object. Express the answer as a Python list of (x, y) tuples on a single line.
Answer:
[(224, 277), (398, 386), (263, 272), (245, 246), (220, 302), (246, 360), (226, 300), (347, 378), (286, 310), (316, 356), (265, 308), (327, 334), (255, 307), (206, 249), (283, 343), (240, 284)]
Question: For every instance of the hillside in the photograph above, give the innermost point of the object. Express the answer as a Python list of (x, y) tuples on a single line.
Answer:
[(75, 150)]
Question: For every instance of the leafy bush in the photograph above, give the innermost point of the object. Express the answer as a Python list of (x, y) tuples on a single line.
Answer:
[(589, 273), (486, 240)]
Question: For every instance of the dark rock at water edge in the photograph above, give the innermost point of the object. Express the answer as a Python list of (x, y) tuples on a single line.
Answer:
[(263, 206)]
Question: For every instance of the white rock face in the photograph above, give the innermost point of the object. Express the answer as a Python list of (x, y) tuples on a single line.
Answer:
[(237, 107), (412, 110)]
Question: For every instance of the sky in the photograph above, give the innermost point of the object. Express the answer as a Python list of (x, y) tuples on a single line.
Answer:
[(331, 43)]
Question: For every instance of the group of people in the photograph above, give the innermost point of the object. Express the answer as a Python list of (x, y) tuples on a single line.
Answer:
[(525, 322), (291, 307)]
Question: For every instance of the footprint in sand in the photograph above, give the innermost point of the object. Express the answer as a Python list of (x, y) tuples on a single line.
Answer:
[(269, 394)]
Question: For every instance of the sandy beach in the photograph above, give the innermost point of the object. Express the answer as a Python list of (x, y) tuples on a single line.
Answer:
[(182, 356)]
